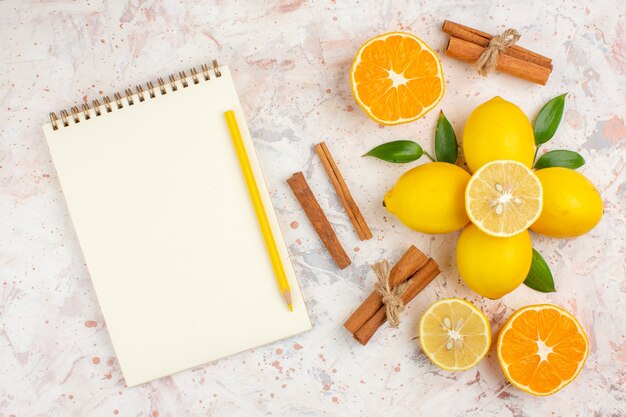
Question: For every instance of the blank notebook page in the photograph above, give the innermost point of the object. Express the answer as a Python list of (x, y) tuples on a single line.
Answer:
[(168, 230)]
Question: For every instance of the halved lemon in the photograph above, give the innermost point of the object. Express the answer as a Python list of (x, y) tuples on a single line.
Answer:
[(454, 334), (396, 78), (503, 198)]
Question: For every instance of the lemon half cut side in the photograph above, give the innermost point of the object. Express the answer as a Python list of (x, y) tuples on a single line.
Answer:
[(454, 334), (503, 198)]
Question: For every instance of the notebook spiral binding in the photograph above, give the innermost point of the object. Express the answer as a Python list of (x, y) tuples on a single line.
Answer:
[(120, 99)]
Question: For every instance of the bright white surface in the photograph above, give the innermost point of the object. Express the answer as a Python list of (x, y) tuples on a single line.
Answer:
[(290, 63)]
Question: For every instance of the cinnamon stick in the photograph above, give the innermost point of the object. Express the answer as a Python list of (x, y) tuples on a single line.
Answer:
[(362, 230), (470, 52), (318, 219), (412, 260), (415, 284), (477, 37)]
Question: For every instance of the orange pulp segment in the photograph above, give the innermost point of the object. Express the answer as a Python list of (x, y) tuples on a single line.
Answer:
[(541, 349), (396, 78)]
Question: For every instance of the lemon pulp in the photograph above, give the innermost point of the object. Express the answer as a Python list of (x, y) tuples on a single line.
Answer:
[(454, 334), (503, 198)]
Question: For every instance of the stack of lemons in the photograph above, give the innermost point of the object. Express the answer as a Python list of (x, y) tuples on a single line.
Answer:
[(502, 199)]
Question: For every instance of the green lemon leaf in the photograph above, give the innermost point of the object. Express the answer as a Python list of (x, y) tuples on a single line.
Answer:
[(560, 158), (539, 277), (548, 119), (446, 148), (399, 151)]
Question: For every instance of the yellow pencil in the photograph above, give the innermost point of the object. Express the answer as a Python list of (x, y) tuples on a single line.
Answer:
[(261, 216)]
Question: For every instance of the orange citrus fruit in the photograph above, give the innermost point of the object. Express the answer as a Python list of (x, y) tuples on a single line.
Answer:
[(396, 78), (542, 348)]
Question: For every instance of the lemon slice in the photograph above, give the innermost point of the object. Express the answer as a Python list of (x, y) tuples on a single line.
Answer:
[(503, 198), (454, 334)]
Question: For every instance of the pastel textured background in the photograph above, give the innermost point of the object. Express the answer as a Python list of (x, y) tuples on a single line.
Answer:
[(291, 61)]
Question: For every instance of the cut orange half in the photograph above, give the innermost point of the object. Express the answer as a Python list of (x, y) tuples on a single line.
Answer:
[(396, 78), (454, 334), (542, 348), (503, 198)]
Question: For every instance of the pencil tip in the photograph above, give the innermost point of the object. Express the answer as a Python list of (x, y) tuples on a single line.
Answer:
[(290, 307), (287, 297)]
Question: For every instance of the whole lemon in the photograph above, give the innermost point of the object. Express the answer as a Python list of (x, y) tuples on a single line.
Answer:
[(493, 266), (430, 198), (571, 204), (498, 129)]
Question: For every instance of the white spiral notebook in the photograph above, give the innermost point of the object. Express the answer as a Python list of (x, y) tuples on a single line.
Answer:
[(166, 226)]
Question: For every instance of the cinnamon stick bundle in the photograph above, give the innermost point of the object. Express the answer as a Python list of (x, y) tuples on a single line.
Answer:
[(415, 270), (477, 37), (415, 284), (468, 44), (412, 260)]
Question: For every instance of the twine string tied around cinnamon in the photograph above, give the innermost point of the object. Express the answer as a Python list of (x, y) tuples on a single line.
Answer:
[(498, 44), (391, 297)]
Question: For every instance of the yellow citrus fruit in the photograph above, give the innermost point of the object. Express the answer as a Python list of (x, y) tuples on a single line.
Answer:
[(498, 129), (454, 334), (571, 204), (542, 348), (396, 78), (429, 198), (493, 266), (503, 198)]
